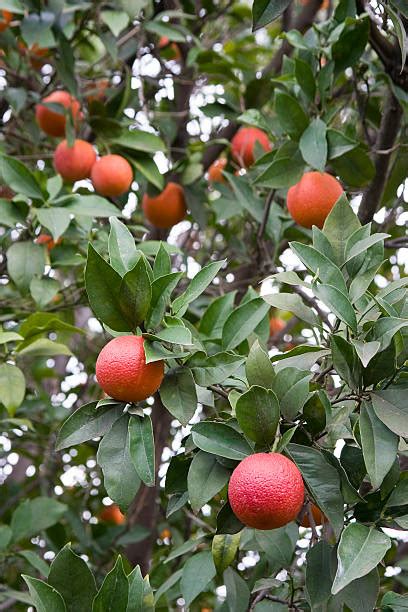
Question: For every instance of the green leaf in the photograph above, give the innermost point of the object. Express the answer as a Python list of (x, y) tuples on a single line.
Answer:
[(91, 206), (346, 51), (5, 536), (227, 522), (24, 261), (12, 387), (385, 329), (293, 303), (215, 369), (292, 117), (123, 254), (391, 408), (224, 548), (120, 478), (37, 562), (292, 390), (360, 550), (305, 78), (238, 594), (178, 394), (162, 288), (242, 322), (318, 574), (258, 367), (162, 262), (55, 219), (43, 290), (338, 303), (68, 569), (281, 173), (313, 144), (265, 11), (10, 214), (278, 545), (138, 140), (34, 515), (43, 596), (362, 593), (322, 480), (257, 412), (141, 443), (148, 169), (345, 361), (115, 20), (206, 477), (366, 350), (379, 445), (163, 29), (339, 143), (136, 591), (103, 288), (198, 571), (89, 421), (320, 265), (338, 227), (135, 293), (220, 439), (167, 585), (19, 178), (113, 594), (43, 347), (214, 317), (355, 167), (199, 283), (363, 245)]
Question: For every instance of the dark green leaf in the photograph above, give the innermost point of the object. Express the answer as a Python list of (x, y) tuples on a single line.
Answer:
[(120, 478), (258, 367), (102, 286), (292, 389), (242, 322), (113, 594), (292, 118), (135, 293), (215, 369), (178, 394), (206, 477), (220, 439), (313, 144), (338, 303), (198, 571), (19, 178), (265, 11), (162, 288), (89, 421), (360, 550), (68, 569), (379, 445), (391, 407), (322, 480), (199, 283), (214, 317), (34, 515), (237, 591), (141, 448), (122, 249), (305, 78), (339, 225), (25, 260), (257, 413), (43, 596)]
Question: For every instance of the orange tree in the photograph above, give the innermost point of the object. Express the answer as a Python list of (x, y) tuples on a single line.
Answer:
[(203, 203)]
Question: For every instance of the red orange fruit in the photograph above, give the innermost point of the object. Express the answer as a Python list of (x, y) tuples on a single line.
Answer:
[(243, 145), (312, 198), (51, 122), (112, 175), (166, 209), (74, 163)]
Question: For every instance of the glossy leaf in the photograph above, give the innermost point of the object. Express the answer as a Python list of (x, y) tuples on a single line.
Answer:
[(198, 571), (113, 594), (87, 422), (379, 445), (135, 293), (257, 412), (141, 447), (44, 597), (34, 515), (68, 569), (123, 254), (313, 144), (178, 394), (220, 439), (391, 408), (25, 260), (206, 477), (242, 322), (199, 283)]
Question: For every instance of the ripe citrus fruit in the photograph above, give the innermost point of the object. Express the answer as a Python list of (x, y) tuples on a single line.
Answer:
[(47, 240), (243, 145), (166, 209), (215, 171), (112, 175), (164, 43), (74, 163), (5, 18), (276, 325), (318, 516), (266, 491), (311, 200), (51, 122), (122, 372), (112, 514)]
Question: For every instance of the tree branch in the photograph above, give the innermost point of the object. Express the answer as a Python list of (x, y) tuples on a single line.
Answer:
[(386, 137)]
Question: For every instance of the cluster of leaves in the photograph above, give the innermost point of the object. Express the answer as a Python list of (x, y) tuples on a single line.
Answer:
[(322, 110)]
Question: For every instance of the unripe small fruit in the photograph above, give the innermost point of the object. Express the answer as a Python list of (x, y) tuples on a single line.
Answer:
[(243, 145), (166, 209), (215, 171), (51, 122), (5, 19), (112, 175), (317, 514), (74, 163), (112, 514), (276, 325), (122, 372), (312, 198), (266, 491)]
